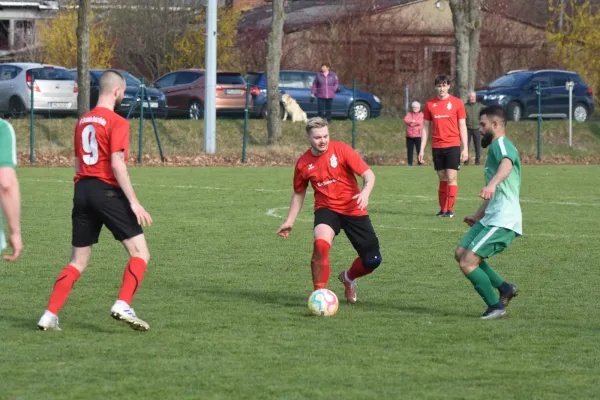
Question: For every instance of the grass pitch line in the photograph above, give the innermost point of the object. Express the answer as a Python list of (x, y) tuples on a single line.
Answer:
[(273, 212), (412, 196)]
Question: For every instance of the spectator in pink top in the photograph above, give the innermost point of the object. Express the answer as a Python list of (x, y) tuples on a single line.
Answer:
[(414, 126), (324, 88)]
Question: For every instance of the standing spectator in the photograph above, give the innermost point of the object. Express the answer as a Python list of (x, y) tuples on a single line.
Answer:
[(473, 108), (324, 88), (414, 128)]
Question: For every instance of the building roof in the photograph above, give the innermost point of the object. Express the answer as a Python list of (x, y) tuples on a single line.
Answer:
[(302, 14), (41, 4)]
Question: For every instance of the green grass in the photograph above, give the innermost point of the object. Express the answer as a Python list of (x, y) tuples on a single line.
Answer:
[(226, 298), (381, 141)]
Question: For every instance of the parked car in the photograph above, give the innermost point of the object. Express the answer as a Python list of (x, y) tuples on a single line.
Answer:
[(54, 90), (185, 92), (157, 99), (517, 93), (298, 84)]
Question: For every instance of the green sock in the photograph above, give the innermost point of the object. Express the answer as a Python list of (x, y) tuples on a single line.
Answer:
[(483, 285), (496, 279)]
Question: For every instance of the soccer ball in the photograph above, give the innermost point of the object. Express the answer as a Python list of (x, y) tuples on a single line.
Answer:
[(323, 302)]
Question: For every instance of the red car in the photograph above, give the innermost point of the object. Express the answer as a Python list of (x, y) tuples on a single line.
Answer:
[(184, 90)]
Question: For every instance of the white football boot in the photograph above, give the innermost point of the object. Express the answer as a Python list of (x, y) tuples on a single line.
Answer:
[(122, 312), (49, 322)]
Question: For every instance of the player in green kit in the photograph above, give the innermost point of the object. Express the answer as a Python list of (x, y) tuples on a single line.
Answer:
[(10, 198), (498, 221)]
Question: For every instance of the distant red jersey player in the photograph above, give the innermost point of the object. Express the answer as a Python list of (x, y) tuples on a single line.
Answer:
[(448, 119), (103, 196), (331, 169)]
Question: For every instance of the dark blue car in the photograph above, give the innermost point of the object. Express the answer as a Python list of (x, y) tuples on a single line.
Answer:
[(298, 85), (517, 93)]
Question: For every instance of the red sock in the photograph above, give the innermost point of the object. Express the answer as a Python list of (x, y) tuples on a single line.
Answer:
[(357, 270), (132, 279), (62, 287), (443, 195), (319, 264), (452, 192)]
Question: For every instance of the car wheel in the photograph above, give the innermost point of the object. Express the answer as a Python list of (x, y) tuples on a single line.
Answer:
[(580, 113), (16, 108), (196, 111), (362, 110), (515, 111)]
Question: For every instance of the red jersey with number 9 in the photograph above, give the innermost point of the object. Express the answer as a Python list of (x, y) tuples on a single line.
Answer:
[(98, 134)]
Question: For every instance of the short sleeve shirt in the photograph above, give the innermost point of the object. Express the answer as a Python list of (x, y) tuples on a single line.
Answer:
[(8, 158), (444, 116)]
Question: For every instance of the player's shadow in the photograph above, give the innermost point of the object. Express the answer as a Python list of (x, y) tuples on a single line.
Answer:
[(414, 309), (257, 296), (299, 301), (27, 323)]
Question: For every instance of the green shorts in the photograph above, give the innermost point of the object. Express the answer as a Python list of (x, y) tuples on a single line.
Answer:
[(485, 241)]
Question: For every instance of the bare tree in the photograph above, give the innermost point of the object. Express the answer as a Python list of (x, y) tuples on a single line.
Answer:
[(147, 31), (274, 44), (83, 56), (466, 18)]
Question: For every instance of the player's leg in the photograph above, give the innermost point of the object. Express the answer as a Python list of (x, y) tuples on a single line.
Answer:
[(478, 244), (327, 225), (118, 217), (86, 226), (443, 187), (362, 235), (451, 166)]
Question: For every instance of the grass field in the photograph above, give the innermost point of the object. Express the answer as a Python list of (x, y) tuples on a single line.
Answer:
[(226, 298)]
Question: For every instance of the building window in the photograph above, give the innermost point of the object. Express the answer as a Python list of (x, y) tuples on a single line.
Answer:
[(386, 61), (407, 61), (441, 63)]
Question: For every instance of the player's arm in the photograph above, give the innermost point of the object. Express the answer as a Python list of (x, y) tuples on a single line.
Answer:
[(362, 199), (504, 170), (464, 137), (119, 168), (472, 219), (424, 136), (296, 204), (10, 198)]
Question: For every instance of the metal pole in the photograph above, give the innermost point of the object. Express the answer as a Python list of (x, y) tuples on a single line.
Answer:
[(210, 112), (31, 127), (160, 150), (539, 125), (406, 102), (141, 144), (246, 123), (354, 114), (570, 87)]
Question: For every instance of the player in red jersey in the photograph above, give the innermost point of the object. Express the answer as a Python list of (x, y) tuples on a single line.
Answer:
[(446, 114), (330, 167), (104, 195)]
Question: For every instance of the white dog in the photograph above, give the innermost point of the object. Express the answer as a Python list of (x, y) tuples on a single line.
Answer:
[(292, 109)]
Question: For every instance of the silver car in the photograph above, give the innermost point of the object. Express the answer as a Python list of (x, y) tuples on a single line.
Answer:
[(54, 90)]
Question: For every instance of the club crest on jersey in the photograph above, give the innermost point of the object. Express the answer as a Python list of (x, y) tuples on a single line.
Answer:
[(333, 161), (449, 106), (310, 166)]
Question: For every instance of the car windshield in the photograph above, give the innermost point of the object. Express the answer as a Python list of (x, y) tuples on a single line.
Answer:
[(230, 79), (50, 74), (510, 80), (253, 78), (130, 80)]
